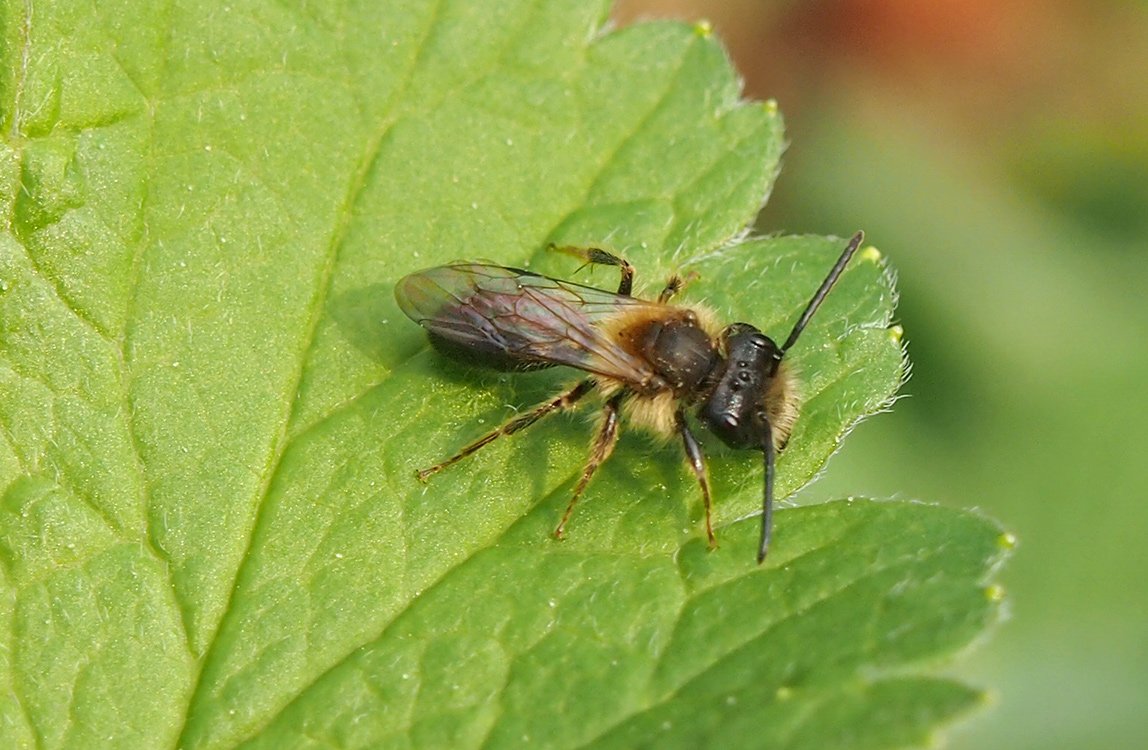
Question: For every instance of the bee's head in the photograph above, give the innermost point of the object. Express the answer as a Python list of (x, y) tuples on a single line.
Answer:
[(736, 409), (754, 401), (753, 404)]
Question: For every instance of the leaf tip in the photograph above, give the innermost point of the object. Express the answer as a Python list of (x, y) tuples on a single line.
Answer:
[(703, 29), (871, 254), (1007, 540), (995, 593)]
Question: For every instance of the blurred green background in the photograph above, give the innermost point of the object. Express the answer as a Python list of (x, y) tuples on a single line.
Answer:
[(998, 154)]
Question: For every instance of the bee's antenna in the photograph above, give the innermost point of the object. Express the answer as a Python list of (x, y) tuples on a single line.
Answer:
[(767, 493), (826, 285)]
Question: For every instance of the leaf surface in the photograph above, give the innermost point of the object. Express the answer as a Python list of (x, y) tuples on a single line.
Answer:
[(211, 406)]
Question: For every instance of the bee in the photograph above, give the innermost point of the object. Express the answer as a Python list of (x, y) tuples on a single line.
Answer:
[(650, 361)]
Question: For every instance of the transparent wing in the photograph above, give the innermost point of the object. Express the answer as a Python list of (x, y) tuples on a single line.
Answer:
[(513, 313)]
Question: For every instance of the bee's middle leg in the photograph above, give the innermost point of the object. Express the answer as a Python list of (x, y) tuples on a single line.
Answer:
[(601, 450), (594, 256)]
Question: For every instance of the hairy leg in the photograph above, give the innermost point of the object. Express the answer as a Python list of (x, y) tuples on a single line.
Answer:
[(603, 446), (559, 403), (593, 256)]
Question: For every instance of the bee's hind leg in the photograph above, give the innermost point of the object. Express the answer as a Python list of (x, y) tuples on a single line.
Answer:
[(594, 256), (564, 401), (603, 446)]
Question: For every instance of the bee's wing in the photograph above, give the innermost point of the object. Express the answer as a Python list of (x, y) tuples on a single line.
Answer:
[(521, 315)]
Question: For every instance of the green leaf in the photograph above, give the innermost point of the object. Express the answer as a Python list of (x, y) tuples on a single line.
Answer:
[(211, 406), (616, 649)]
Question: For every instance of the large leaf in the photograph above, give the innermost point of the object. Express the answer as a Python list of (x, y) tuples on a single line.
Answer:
[(211, 406)]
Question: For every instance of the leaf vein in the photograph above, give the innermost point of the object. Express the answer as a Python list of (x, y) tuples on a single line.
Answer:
[(275, 457), (770, 627)]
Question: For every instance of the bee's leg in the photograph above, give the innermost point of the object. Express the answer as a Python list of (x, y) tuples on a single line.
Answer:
[(565, 401), (598, 257), (675, 284), (603, 447), (698, 464)]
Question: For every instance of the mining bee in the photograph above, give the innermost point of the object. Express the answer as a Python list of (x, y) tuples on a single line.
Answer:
[(647, 359)]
